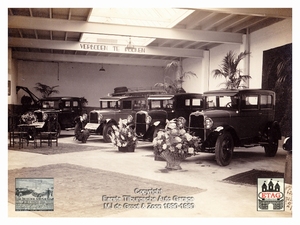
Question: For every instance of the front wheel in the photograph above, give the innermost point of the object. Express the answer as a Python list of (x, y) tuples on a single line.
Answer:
[(107, 130), (224, 149)]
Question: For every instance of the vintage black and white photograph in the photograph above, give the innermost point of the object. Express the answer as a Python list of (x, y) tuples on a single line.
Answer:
[(152, 112), (34, 194)]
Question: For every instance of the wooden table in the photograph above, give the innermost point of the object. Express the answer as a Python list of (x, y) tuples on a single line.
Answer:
[(29, 131)]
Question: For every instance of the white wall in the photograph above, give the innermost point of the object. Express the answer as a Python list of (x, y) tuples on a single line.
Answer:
[(193, 84), (12, 77), (216, 56), (82, 79), (270, 37)]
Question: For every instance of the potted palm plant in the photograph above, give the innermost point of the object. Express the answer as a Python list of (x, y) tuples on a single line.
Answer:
[(230, 71), (45, 90), (174, 69)]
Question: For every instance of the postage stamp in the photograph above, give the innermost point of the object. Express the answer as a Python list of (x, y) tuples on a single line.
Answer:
[(270, 194), (34, 194)]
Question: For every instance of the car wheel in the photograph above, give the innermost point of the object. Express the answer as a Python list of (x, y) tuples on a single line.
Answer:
[(271, 149), (107, 131), (273, 134), (224, 149), (58, 130)]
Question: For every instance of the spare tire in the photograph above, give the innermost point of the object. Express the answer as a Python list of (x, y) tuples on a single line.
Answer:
[(120, 89)]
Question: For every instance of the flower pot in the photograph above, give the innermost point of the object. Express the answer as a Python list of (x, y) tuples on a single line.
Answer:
[(173, 162), (127, 149)]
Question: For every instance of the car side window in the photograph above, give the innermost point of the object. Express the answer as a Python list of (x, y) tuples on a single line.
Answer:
[(67, 104), (155, 104), (266, 101), (249, 102), (168, 104), (126, 104), (196, 103), (139, 104)]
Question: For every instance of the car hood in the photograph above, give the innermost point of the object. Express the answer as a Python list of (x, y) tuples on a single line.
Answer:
[(46, 110), (219, 113), (104, 111)]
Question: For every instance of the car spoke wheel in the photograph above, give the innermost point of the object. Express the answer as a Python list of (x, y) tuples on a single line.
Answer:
[(224, 149), (107, 132)]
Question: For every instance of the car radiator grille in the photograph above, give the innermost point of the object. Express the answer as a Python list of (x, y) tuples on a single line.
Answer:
[(197, 125), (140, 126), (93, 117), (39, 116)]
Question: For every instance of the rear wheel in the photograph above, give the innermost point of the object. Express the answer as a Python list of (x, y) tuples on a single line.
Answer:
[(271, 149), (107, 130), (224, 149), (273, 135)]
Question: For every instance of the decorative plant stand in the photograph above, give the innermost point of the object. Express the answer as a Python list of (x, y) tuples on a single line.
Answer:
[(127, 149), (173, 161)]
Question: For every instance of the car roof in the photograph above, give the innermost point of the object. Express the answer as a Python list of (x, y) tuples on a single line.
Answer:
[(60, 98), (117, 98), (169, 96), (232, 92)]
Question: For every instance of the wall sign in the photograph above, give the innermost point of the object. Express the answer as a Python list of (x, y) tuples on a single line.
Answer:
[(112, 48)]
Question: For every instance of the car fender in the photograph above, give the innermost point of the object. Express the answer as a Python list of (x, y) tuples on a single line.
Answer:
[(109, 121), (272, 130), (219, 130), (157, 123)]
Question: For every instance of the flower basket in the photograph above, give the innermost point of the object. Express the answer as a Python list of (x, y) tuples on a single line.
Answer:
[(174, 143), (127, 149), (28, 118), (124, 137)]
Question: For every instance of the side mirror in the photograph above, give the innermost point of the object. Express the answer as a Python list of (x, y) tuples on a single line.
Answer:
[(287, 144)]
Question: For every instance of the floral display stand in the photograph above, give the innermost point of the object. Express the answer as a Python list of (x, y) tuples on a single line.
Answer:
[(127, 149), (174, 144), (123, 136), (173, 162)]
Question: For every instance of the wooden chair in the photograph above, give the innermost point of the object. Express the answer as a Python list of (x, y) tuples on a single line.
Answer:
[(51, 133), (17, 136)]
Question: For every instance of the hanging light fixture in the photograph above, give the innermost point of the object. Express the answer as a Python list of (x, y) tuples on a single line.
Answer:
[(130, 47), (102, 69)]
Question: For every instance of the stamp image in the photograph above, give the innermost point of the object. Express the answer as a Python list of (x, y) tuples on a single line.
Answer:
[(270, 194), (34, 194)]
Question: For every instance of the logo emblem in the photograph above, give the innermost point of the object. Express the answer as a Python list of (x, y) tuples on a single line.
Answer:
[(270, 194)]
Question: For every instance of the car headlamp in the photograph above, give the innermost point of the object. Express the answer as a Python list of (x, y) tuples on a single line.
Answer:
[(129, 118), (44, 116), (148, 119), (100, 116), (208, 123)]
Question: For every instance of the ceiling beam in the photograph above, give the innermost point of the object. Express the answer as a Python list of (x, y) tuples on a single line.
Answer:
[(264, 12), (24, 22), (47, 57), (95, 47)]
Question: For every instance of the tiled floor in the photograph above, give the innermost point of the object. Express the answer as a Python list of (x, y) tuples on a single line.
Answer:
[(220, 199)]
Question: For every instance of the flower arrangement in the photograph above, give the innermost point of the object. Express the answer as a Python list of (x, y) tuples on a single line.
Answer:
[(175, 140), (123, 135), (28, 117)]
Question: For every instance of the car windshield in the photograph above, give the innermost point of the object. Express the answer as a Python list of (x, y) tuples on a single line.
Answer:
[(50, 105), (109, 104), (219, 102), (161, 104)]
